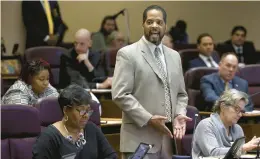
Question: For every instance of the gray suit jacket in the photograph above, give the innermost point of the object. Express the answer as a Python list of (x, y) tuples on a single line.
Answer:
[(138, 90)]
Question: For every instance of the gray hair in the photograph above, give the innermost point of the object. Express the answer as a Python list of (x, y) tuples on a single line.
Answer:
[(230, 98)]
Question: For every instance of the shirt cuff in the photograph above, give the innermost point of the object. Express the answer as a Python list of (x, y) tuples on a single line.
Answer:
[(97, 85), (47, 37)]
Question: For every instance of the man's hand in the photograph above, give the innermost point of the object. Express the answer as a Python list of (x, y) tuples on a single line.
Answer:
[(106, 84), (158, 122), (82, 57), (179, 126), (52, 41)]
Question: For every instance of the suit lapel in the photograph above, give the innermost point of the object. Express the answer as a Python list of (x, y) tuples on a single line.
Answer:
[(220, 83), (149, 58)]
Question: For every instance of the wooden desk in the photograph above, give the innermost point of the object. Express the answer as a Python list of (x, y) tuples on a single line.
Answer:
[(101, 94), (111, 128)]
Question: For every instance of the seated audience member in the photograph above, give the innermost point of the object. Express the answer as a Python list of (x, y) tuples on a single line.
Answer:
[(207, 56), (213, 85), (220, 130), (80, 63), (245, 50), (178, 32), (167, 41), (100, 38), (73, 136), (116, 40), (32, 85)]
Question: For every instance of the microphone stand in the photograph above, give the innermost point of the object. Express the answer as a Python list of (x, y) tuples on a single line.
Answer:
[(257, 151)]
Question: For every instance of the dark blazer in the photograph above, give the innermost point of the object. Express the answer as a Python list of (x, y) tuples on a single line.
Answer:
[(198, 62), (36, 24), (212, 87), (71, 71), (249, 52)]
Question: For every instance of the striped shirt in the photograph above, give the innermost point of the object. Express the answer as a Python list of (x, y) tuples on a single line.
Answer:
[(21, 93)]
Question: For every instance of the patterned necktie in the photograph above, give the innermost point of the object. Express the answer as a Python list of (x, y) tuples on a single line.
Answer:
[(211, 63), (240, 55), (226, 86), (167, 102), (48, 15)]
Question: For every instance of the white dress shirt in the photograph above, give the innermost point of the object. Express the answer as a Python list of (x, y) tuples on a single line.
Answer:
[(205, 59), (152, 49)]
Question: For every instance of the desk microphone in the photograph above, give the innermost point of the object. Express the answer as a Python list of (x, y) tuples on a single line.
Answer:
[(252, 95), (194, 127), (257, 151)]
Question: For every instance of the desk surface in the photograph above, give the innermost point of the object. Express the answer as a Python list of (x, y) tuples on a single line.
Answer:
[(111, 121), (100, 90), (250, 114)]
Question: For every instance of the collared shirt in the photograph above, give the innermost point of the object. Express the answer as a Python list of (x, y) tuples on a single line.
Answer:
[(230, 83), (205, 59), (238, 49), (152, 49)]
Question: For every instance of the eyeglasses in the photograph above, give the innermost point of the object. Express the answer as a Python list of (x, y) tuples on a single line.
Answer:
[(89, 112), (238, 109)]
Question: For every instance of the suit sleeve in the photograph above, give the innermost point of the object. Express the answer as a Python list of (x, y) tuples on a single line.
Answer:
[(30, 20), (122, 88), (182, 97), (207, 90), (69, 75)]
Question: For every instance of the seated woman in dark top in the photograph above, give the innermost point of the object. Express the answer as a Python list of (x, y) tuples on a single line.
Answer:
[(73, 136)]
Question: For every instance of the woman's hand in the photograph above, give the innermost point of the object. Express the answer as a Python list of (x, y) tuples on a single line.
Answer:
[(252, 144)]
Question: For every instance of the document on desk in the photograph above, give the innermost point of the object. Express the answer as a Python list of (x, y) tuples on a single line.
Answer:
[(110, 122)]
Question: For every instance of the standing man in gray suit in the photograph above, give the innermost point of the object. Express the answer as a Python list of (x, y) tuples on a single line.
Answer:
[(148, 86)]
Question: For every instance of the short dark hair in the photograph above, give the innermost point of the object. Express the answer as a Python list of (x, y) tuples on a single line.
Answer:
[(228, 53), (74, 95), (202, 36), (32, 68), (156, 7), (109, 17), (238, 27)]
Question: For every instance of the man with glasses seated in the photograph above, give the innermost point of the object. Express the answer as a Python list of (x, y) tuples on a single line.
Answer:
[(220, 130), (213, 85), (73, 136)]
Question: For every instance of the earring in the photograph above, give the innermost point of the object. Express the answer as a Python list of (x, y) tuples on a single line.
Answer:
[(66, 118)]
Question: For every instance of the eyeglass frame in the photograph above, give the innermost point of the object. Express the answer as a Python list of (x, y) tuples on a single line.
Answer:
[(88, 112)]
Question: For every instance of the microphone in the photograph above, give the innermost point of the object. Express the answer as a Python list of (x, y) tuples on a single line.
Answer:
[(257, 151), (254, 94), (120, 12), (194, 127)]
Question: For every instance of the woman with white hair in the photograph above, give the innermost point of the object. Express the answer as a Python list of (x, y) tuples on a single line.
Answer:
[(214, 135)]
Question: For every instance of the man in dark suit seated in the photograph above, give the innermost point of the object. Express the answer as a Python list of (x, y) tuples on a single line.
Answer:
[(207, 56), (213, 85), (80, 63), (245, 50), (43, 23)]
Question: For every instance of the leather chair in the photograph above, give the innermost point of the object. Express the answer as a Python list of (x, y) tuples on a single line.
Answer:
[(251, 73), (192, 82), (50, 112), (186, 56), (51, 54), (20, 128)]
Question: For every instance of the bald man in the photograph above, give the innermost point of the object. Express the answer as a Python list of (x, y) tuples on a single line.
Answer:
[(213, 85), (78, 64)]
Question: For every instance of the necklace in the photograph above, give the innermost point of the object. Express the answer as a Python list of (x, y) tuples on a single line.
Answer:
[(81, 140)]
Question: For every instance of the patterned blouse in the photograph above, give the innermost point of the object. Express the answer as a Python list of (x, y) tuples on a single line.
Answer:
[(21, 93)]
